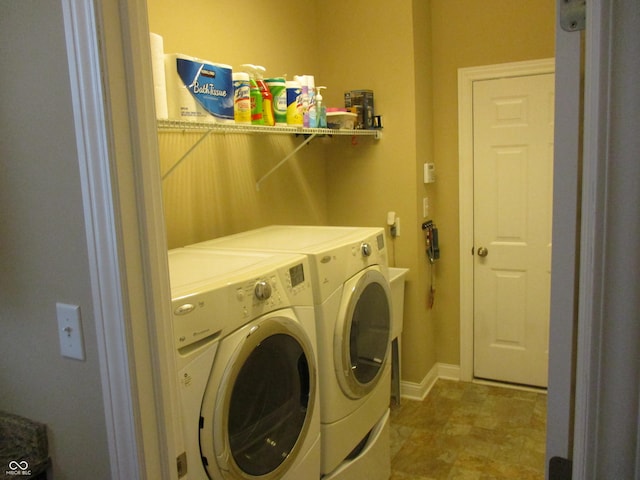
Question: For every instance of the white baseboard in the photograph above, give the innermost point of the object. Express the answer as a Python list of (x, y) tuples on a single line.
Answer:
[(418, 391)]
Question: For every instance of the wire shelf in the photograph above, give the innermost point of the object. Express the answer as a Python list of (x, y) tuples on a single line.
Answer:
[(177, 125), (207, 128)]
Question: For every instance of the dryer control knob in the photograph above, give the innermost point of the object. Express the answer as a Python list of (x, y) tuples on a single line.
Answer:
[(262, 290), (365, 248)]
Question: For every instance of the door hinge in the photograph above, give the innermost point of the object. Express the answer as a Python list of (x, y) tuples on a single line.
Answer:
[(181, 464), (572, 14), (560, 468)]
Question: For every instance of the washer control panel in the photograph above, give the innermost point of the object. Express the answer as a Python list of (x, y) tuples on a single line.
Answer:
[(210, 309), (285, 287)]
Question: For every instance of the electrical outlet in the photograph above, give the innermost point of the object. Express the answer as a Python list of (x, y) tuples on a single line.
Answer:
[(425, 207), (394, 224)]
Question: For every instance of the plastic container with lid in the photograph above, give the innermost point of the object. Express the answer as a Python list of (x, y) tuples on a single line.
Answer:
[(278, 88), (241, 98), (340, 119), (294, 103)]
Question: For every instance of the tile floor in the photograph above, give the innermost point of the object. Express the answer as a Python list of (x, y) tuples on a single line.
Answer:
[(469, 431)]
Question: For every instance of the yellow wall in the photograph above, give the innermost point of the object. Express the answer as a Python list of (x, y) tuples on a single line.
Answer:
[(376, 48), (408, 52), (213, 192), (276, 34), (370, 45), (471, 33)]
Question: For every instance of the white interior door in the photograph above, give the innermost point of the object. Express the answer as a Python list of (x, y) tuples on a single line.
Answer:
[(513, 175)]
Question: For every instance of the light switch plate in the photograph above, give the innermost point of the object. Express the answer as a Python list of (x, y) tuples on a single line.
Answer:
[(70, 331)]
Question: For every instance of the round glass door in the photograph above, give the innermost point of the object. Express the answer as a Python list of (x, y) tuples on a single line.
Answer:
[(269, 404), (367, 327), (259, 402)]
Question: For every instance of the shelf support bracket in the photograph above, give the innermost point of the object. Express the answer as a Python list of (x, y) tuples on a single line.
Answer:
[(281, 162), (187, 153)]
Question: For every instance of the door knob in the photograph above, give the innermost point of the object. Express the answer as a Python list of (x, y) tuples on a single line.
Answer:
[(483, 252)]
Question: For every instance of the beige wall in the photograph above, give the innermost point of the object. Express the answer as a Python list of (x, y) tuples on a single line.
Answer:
[(470, 33), (331, 181), (43, 257), (380, 49), (408, 52), (213, 191)]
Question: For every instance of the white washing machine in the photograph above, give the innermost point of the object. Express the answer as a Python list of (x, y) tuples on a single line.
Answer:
[(245, 341), (353, 318)]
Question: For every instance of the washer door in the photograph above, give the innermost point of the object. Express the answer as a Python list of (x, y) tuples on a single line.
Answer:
[(361, 340), (259, 401)]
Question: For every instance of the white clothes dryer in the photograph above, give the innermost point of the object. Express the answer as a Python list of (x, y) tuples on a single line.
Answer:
[(245, 341), (353, 318)]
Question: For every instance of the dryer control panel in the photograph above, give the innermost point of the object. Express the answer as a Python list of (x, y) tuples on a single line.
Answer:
[(343, 261)]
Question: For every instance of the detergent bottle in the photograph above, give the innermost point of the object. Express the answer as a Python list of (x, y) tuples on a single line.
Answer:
[(257, 117), (321, 110), (267, 97)]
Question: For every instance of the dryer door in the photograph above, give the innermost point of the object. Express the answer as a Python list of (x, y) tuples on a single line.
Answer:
[(259, 400), (361, 341)]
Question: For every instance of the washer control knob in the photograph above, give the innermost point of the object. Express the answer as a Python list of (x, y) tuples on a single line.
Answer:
[(262, 290), (365, 248)]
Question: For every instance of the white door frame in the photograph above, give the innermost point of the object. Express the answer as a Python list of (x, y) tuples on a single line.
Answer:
[(564, 256), (606, 429), (109, 60), (466, 77), (104, 258)]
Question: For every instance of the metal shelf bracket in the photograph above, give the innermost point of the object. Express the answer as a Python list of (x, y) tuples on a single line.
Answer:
[(186, 154), (281, 162)]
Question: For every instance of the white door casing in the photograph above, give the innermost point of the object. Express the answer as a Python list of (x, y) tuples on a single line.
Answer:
[(466, 79), (513, 174), (127, 253)]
